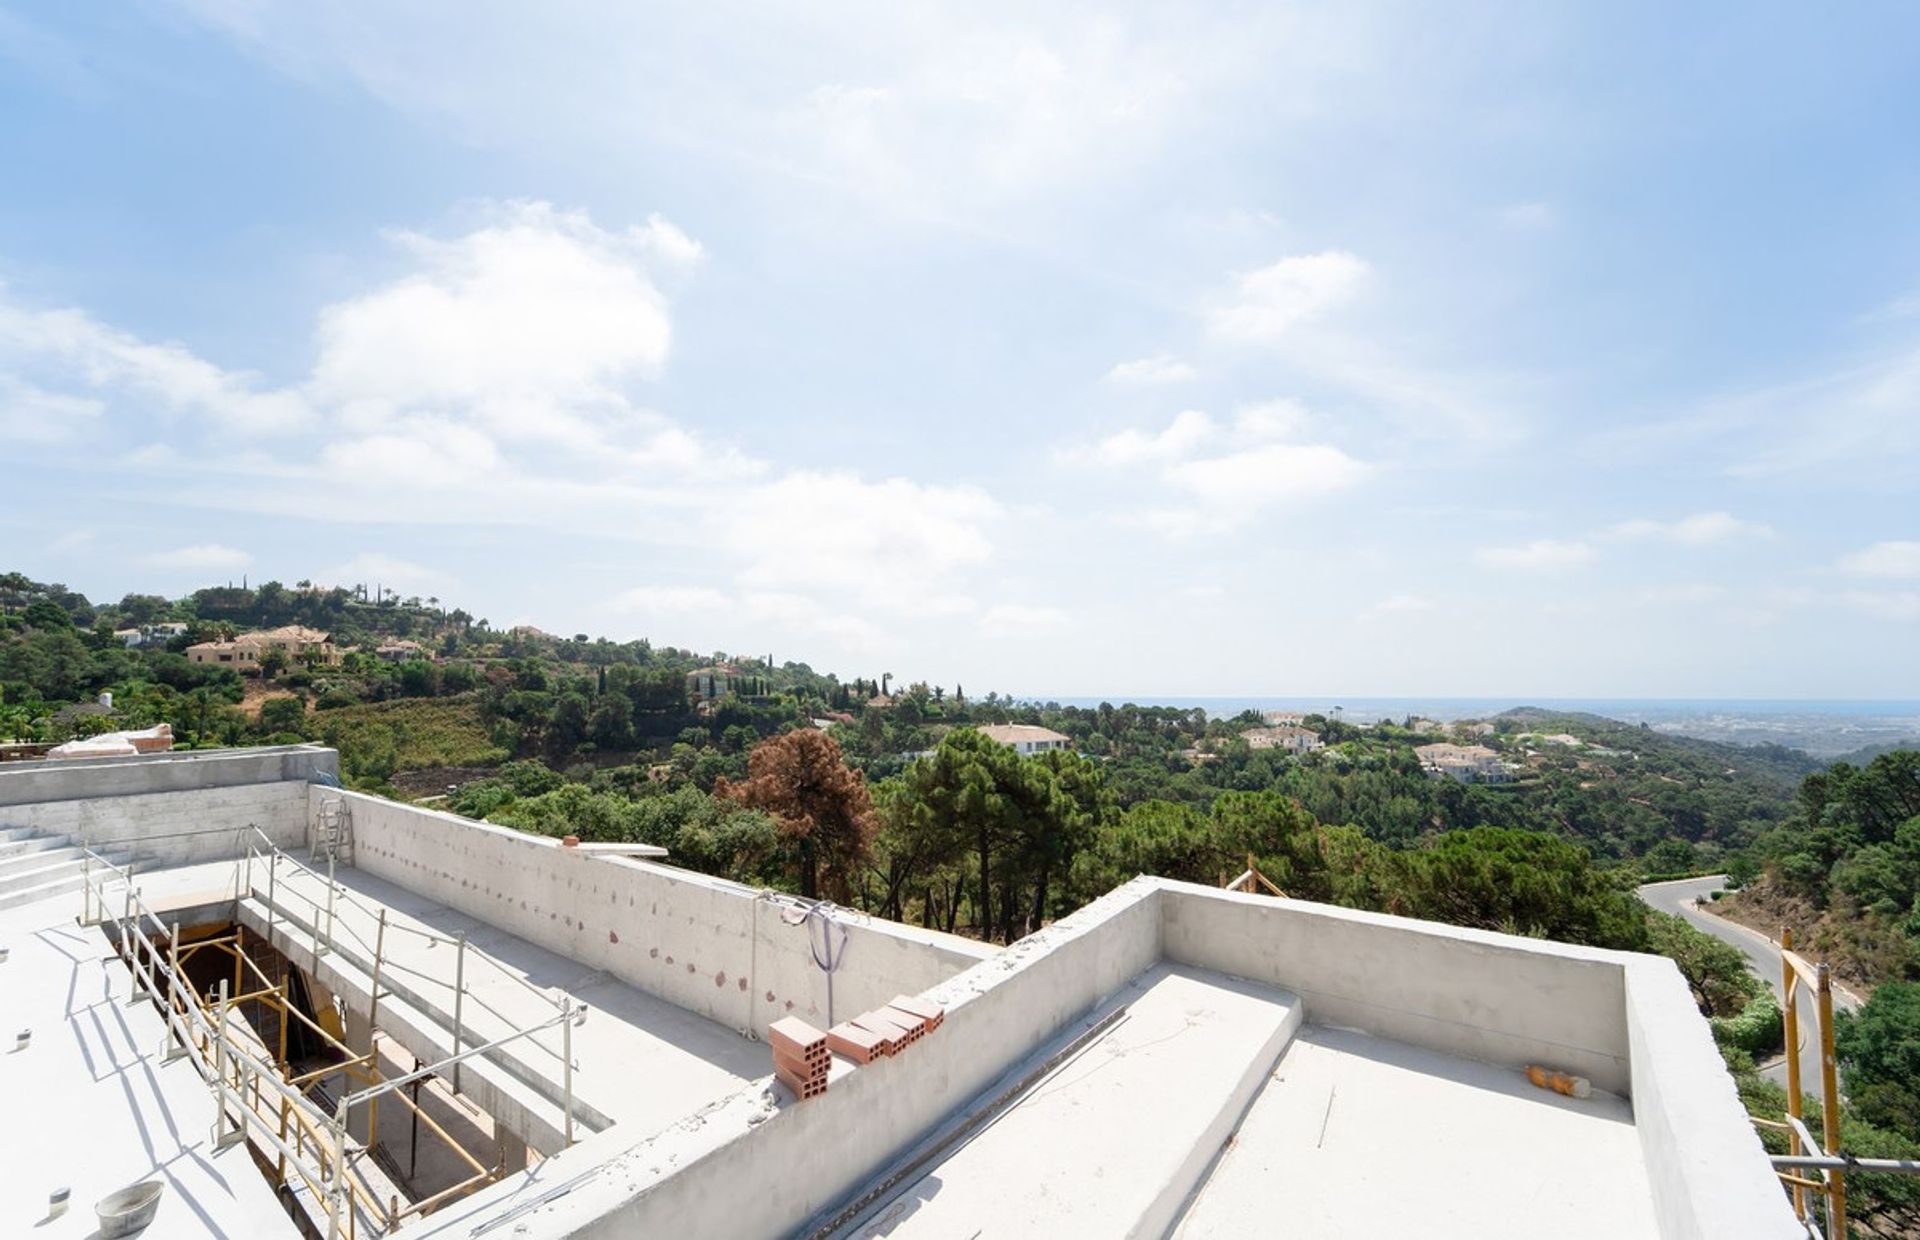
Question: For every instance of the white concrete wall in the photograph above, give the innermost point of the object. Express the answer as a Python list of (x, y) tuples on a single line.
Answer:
[(1496, 998), (746, 1169), (716, 948), (175, 828), (168, 809), (1623, 1019), (67, 779), (1705, 1165)]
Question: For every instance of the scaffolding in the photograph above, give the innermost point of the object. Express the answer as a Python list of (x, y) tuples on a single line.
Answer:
[(327, 925), (1252, 880), (259, 1098), (1805, 1152)]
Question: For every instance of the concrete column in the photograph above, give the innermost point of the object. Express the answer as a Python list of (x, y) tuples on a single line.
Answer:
[(359, 1030), (513, 1150)]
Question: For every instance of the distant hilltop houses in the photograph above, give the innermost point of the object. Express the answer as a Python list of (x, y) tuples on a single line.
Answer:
[(709, 684), (149, 636), (1294, 740), (1467, 764), (1025, 738), (296, 641)]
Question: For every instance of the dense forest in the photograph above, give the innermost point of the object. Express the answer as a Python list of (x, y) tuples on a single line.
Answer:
[(885, 796)]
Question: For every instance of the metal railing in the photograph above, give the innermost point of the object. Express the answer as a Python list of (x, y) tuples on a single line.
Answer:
[(319, 1151), (327, 926), (1805, 1152), (287, 1123)]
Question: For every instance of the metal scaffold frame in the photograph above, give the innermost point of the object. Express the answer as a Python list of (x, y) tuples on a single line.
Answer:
[(1804, 1152), (257, 1096)]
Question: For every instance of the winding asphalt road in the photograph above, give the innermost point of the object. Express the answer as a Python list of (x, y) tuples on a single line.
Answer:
[(1684, 898)]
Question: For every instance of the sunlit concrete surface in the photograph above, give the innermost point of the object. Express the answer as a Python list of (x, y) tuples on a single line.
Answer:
[(1109, 1141), (1357, 1136), (643, 1062), (93, 1106), (1170, 1059)]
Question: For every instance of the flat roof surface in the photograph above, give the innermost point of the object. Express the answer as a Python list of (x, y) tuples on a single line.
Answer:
[(1109, 1140), (1358, 1136), (91, 1105)]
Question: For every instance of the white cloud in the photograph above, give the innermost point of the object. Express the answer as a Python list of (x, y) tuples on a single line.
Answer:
[(896, 546), (1267, 474), (707, 615), (493, 382), (1540, 555), (1682, 594), (1226, 475), (30, 414), (417, 452), (527, 327), (1902, 606), (1266, 304), (1188, 430), (1528, 216), (1274, 419), (1157, 369), (671, 600), (1022, 620), (376, 568), (1897, 559), (201, 557), (1397, 605), (928, 111), (71, 348), (665, 242), (785, 612), (1853, 422), (1702, 529)]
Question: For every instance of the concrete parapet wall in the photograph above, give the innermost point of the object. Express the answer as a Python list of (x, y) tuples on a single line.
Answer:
[(1625, 1020), (70, 779), (173, 828), (802, 1159), (719, 949), (1705, 1165), (1497, 998)]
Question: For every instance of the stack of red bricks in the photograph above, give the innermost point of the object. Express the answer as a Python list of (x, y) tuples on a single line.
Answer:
[(800, 1056), (886, 1030)]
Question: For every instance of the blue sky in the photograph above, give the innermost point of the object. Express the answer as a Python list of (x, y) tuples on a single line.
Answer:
[(1323, 349)]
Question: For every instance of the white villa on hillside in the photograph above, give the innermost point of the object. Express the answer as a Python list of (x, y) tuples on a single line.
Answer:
[(1295, 741), (1470, 764), (1026, 738)]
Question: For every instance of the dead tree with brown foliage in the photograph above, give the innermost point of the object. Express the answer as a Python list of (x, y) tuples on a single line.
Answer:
[(821, 805)]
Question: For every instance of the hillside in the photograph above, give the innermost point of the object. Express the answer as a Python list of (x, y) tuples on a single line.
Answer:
[(1844, 868)]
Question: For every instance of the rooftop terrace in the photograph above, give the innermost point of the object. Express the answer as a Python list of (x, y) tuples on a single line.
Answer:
[(1172, 1060)]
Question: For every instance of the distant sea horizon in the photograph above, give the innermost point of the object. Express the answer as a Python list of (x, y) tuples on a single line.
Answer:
[(1822, 727), (1449, 708)]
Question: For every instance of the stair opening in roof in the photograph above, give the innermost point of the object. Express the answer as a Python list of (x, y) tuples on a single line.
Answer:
[(290, 1052)]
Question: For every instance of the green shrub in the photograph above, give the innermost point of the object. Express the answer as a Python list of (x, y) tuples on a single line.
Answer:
[(1757, 1030)]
